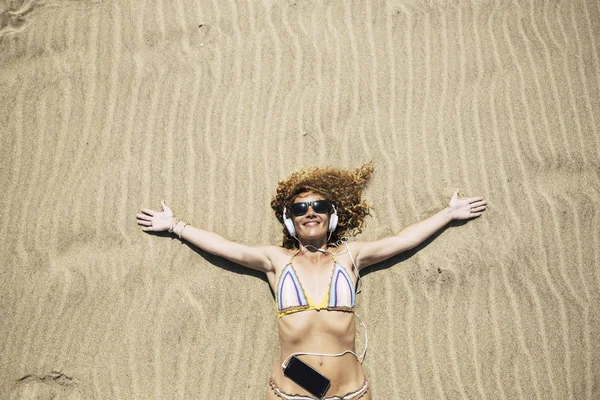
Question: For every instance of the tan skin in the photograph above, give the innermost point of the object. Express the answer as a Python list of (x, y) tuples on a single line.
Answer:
[(316, 331), (313, 331)]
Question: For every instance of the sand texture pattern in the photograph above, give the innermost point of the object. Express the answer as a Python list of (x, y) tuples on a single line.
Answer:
[(109, 106)]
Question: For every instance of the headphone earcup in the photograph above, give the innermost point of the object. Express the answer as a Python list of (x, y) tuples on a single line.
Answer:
[(289, 224), (333, 220)]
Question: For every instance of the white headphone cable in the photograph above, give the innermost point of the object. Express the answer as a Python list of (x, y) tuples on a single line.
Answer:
[(360, 358)]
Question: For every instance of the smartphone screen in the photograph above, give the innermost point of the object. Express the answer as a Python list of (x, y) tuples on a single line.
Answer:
[(305, 376)]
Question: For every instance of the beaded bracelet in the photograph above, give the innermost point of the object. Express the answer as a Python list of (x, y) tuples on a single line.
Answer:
[(181, 233), (173, 224)]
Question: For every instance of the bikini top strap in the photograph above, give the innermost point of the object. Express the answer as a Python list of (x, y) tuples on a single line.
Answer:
[(358, 281), (294, 256), (331, 254)]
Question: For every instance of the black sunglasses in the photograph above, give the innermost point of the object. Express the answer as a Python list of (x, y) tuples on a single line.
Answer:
[(319, 206)]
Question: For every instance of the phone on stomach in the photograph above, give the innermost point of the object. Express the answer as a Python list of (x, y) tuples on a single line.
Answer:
[(306, 377)]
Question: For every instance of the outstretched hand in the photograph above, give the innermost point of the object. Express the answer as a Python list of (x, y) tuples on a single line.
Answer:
[(470, 207), (155, 221)]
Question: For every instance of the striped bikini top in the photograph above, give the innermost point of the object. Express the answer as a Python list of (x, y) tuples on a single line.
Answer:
[(292, 298)]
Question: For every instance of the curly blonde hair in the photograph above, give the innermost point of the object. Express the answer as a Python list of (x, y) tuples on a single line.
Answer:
[(342, 187)]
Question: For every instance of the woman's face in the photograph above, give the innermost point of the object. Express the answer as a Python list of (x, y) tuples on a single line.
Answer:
[(310, 225)]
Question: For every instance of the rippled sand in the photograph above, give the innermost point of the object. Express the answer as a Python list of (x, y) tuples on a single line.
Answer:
[(110, 106)]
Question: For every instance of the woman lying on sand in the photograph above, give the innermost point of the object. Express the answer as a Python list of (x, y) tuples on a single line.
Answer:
[(315, 272)]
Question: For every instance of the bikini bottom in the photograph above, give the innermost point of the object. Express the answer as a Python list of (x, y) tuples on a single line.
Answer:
[(350, 396)]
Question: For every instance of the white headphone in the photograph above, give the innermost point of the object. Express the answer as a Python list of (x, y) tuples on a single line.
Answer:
[(289, 224)]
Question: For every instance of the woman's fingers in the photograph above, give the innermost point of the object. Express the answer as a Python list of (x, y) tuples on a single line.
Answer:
[(474, 199), (146, 217), (478, 204), (145, 222), (143, 217)]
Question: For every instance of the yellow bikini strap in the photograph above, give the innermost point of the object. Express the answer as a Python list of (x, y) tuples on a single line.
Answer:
[(331, 254), (294, 256)]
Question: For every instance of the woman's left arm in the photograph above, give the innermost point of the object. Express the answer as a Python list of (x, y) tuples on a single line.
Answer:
[(369, 253)]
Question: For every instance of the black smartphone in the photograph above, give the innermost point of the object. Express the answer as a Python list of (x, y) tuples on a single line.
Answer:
[(305, 376)]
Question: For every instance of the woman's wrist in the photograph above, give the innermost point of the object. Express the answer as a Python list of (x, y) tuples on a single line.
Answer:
[(174, 222), (449, 213), (178, 227)]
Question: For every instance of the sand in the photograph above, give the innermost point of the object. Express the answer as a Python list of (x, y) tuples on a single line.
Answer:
[(107, 107)]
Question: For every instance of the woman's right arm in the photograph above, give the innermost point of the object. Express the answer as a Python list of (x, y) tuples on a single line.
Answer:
[(255, 257)]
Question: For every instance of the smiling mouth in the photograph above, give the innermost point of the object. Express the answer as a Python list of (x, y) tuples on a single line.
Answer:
[(311, 223)]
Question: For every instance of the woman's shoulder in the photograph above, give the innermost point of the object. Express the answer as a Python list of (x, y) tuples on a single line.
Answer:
[(279, 250), (343, 247), (345, 254), (279, 256)]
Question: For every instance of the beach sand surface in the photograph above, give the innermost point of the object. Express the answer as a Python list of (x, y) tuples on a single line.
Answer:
[(107, 107)]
